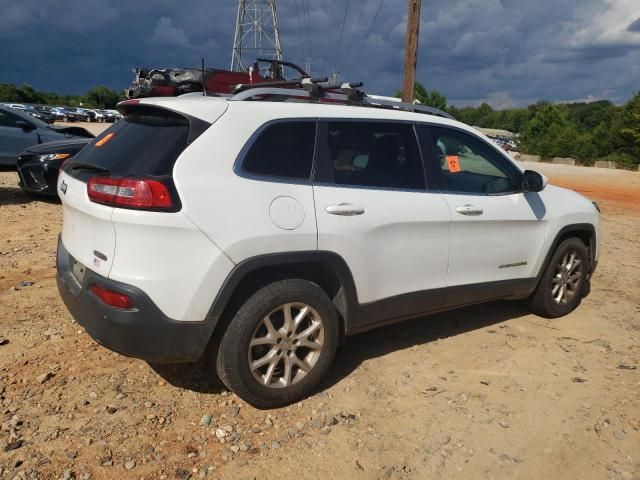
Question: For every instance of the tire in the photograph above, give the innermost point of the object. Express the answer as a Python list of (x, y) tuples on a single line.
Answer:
[(549, 300), (258, 387)]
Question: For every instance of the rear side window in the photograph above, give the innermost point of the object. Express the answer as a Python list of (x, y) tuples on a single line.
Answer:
[(283, 149), (375, 154), (139, 144)]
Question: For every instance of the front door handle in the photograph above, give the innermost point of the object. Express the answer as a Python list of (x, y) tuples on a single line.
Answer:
[(469, 210), (345, 209)]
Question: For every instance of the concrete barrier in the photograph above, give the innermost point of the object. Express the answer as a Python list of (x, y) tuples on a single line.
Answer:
[(563, 161), (529, 158), (605, 164)]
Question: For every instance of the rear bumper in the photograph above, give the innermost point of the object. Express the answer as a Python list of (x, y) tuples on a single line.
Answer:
[(143, 332)]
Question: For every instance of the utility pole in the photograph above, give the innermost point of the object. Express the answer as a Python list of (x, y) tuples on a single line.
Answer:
[(411, 50), (256, 35)]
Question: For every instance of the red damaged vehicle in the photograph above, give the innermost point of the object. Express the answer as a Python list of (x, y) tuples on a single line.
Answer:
[(171, 82)]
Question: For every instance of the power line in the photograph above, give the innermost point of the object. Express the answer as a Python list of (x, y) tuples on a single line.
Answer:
[(373, 22), (355, 30), (308, 17), (300, 37), (344, 21)]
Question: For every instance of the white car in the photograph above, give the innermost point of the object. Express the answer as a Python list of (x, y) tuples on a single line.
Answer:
[(269, 231)]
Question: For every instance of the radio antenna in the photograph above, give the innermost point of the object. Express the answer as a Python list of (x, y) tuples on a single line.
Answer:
[(204, 85)]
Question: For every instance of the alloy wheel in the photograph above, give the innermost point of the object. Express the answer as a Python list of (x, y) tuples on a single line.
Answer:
[(566, 279), (286, 345)]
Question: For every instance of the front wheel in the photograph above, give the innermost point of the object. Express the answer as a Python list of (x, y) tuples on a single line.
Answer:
[(563, 282), (280, 344)]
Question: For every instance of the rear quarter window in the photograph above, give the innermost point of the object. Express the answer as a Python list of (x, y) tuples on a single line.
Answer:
[(283, 150)]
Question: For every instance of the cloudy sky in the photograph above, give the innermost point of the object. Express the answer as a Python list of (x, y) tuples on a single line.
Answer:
[(506, 52)]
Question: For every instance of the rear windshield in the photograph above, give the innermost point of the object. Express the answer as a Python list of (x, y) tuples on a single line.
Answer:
[(145, 144)]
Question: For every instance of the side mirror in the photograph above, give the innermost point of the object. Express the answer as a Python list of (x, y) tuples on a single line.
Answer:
[(533, 181), (23, 124)]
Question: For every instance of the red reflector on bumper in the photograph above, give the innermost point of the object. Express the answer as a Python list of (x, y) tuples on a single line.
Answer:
[(114, 299)]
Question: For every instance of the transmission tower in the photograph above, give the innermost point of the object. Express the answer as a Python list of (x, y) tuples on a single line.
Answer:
[(257, 34)]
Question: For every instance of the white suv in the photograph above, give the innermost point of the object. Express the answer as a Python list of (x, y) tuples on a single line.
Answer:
[(258, 232)]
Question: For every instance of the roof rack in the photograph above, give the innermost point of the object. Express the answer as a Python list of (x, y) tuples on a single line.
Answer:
[(318, 89), (408, 107)]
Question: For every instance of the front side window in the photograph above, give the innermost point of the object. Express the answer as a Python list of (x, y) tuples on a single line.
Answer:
[(375, 154), (469, 165), (284, 149)]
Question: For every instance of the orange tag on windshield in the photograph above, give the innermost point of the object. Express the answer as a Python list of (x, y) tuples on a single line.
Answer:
[(104, 140), (454, 163)]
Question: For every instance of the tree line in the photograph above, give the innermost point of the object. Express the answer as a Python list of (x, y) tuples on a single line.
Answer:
[(97, 97), (585, 131)]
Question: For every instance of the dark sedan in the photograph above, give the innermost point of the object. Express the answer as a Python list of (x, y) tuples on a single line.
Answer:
[(38, 166), (19, 130)]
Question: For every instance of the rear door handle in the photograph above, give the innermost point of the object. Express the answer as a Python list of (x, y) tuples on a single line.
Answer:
[(469, 210), (345, 209)]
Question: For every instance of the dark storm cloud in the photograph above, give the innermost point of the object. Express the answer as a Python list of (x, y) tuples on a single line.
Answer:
[(507, 52)]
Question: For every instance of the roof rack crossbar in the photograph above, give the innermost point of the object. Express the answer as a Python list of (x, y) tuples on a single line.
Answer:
[(241, 87)]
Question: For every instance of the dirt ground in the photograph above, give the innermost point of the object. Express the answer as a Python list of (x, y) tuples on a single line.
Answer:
[(483, 392)]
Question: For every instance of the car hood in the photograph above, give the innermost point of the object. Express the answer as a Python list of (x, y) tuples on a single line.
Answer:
[(60, 146), (75, 131)]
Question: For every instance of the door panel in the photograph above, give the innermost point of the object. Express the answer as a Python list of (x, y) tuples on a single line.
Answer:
[(374, 210), (497, 231), (501, 243), (398, 245)]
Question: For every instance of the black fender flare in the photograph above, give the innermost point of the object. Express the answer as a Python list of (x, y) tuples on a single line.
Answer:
[(575, 227), (346, 300)]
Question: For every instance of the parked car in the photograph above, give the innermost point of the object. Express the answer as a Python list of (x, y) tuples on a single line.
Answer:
[(17, 106), (40, 115), (45, 113), (29, 109), (111, 116), (271, 230), (80, 114), (94, 115), (72, 114), (19, 130), (38, 166)]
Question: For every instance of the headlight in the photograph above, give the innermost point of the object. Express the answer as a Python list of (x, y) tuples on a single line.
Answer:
[(54, 156)]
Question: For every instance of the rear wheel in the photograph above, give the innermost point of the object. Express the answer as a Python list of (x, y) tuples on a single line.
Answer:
[(280, 344), (562, 285)]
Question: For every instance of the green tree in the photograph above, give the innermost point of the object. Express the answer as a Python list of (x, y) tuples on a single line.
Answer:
[(103, 97), (548, 133), (431, 98), (630, 128)]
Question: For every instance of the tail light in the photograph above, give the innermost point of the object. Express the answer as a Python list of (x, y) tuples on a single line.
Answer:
[(114, 299), (138, 193)]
